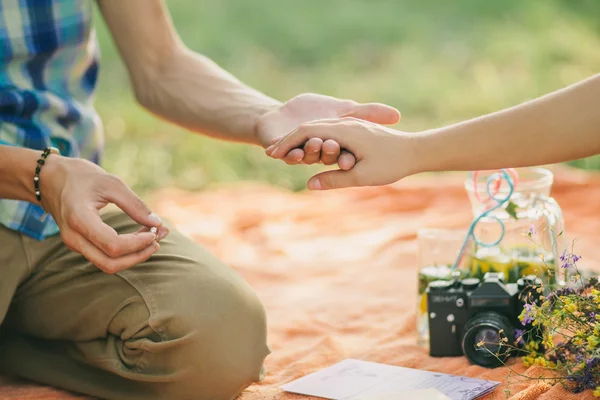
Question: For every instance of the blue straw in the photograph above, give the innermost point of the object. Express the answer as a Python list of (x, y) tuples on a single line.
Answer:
[(499, 203)]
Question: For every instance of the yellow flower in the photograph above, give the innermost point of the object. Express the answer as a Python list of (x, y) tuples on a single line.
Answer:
[(571, 307), (593, 342), (597, 391), (532, 346), (539, 361), (548, 340), (596, 296)]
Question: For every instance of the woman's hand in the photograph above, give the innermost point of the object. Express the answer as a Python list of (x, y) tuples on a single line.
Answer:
[(309, 107), (383, 155), (74, 190)]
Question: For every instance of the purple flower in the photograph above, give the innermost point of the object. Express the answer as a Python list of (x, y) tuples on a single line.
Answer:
[(568, 259), (519, 333), (563, 256), (587, 377), (592, 316), (527, 319)]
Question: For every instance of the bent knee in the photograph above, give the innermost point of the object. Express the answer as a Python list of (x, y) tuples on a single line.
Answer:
[(213, 339)]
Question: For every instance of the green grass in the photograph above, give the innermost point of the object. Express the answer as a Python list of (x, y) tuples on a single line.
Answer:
[(437, 61)]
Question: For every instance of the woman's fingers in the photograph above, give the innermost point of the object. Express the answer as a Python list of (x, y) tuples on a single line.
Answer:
[(334, 180)]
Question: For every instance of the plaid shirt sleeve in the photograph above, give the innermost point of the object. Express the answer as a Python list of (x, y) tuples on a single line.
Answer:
[(48, 71)]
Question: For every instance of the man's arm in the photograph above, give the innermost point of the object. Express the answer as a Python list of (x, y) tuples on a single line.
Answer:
[(177, 84), (17, 167), (72, 191), (190, 90)]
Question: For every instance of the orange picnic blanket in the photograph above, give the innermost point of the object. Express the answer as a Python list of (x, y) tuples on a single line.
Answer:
[(337, 270)]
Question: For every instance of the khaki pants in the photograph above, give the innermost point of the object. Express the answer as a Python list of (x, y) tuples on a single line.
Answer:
[(180, 326)]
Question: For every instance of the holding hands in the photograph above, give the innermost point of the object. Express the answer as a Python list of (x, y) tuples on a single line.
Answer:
[(300, 110), (382, 155), (560, 126)]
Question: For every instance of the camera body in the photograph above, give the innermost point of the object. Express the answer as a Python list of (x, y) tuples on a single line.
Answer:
[(471, 317)]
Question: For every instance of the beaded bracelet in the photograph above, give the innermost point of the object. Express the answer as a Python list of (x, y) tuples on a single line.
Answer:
[(36, 178)]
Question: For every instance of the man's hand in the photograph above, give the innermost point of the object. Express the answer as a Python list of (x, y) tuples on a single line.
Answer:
[(310, 107), (73, 192)]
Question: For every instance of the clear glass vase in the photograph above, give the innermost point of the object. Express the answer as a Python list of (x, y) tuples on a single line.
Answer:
[(526, 234)]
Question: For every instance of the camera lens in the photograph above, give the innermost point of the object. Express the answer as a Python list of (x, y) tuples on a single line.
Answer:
[(482, 342), (490, 337)]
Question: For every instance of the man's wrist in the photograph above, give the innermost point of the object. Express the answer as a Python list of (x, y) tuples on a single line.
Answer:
[(17, 171)]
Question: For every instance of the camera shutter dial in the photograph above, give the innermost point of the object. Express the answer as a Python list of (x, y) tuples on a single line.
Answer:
[(439, 285), (470, 283)]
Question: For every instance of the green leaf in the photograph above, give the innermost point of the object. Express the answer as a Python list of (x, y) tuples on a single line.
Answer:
[(511, 209)]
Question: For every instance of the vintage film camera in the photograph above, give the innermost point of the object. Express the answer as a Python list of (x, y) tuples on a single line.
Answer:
[(464, 313)]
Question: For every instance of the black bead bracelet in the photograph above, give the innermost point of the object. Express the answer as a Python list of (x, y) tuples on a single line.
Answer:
[(40, 164)]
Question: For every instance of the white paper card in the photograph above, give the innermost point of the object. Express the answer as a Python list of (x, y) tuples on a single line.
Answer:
[(362, 380), (420, 394)]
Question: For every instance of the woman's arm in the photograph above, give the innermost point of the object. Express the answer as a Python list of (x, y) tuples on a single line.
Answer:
[(561, 126)]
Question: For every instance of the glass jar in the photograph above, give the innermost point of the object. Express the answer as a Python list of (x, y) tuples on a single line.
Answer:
[(438, 250), (525, 235)]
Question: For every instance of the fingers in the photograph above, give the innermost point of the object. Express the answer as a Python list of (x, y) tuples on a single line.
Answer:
[(120, 194), (346, 161), (108, 264), (161, 233), (312, 151), (105, 238), (276, 139), (333, 180), (375, 112), (301, 135), (330, 152), (294, 157)]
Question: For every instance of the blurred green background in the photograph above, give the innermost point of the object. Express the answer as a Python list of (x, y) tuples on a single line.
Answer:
[(438, 61)]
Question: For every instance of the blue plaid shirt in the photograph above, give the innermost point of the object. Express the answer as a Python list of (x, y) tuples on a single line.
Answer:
[(48, 70)]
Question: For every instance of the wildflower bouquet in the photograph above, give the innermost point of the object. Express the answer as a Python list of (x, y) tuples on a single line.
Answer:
[(564, 331)]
